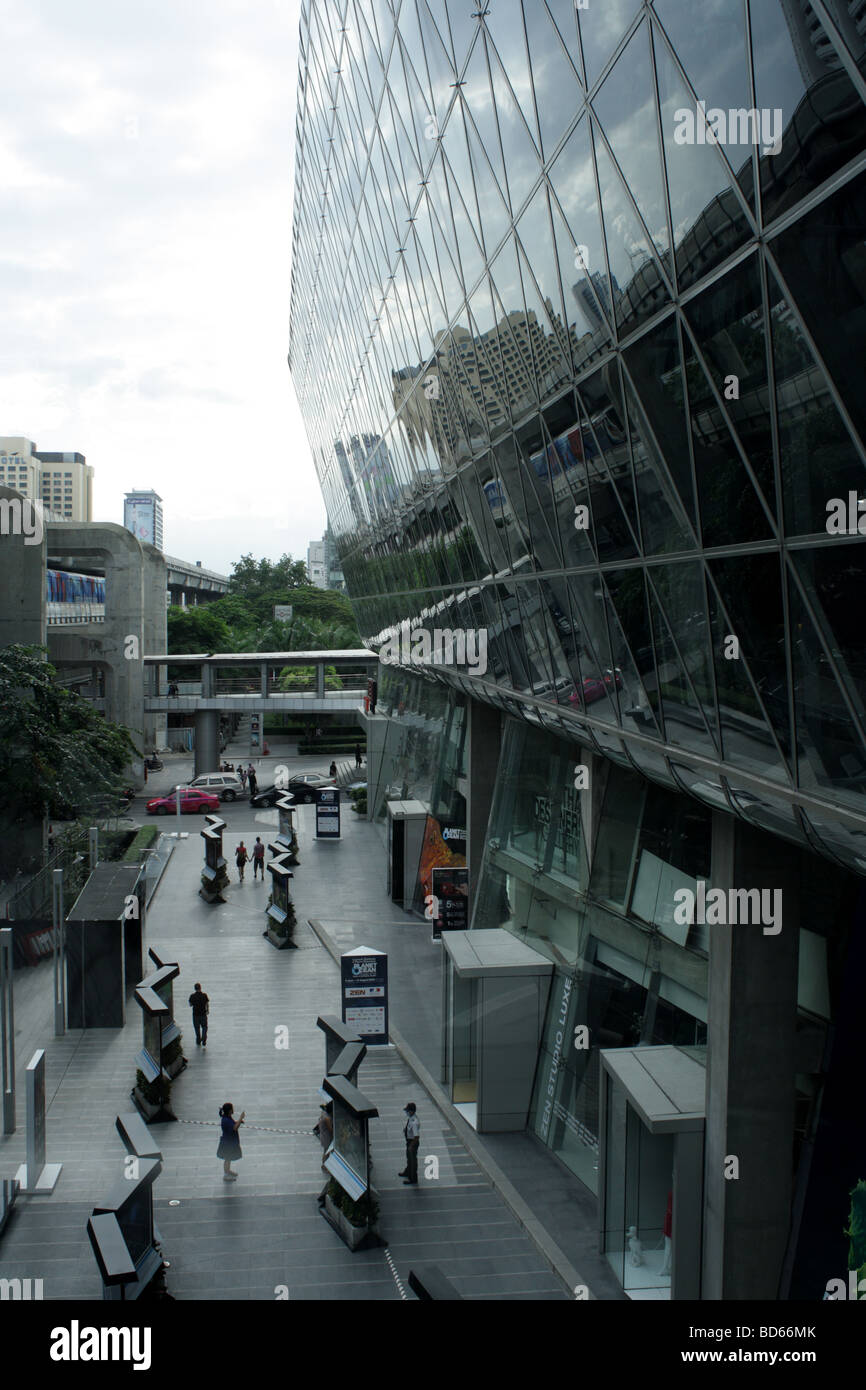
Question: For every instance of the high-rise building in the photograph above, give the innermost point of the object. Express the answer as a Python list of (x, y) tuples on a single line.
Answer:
[(585, 290), (67, 485), (19, 466), (316, 568), (62, 482), (142, 515)]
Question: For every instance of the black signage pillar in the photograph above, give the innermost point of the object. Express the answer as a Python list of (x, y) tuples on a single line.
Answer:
[(328, 813), (364, 994)]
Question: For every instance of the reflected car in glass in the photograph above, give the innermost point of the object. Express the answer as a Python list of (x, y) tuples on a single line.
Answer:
[(594, 687)]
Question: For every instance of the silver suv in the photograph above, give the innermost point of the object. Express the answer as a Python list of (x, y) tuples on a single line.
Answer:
[(226, 785)]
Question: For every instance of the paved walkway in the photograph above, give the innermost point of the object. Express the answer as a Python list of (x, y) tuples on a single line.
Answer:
[(264, 1233)]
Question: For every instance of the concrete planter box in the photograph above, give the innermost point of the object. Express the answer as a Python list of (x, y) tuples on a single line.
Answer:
[(353, 1236), (151, 1114), (173, 1068), (282, 943)]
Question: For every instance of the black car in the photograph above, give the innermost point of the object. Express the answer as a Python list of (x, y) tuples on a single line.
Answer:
[(266, 796), (300, 788)]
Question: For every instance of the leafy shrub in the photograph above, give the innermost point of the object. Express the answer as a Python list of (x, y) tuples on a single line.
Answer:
[(173, 1051), (156, 1092), (364, 1212)]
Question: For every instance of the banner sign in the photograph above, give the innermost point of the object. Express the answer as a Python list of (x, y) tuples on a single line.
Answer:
[(451, 893), (328, 813), (364, 993)]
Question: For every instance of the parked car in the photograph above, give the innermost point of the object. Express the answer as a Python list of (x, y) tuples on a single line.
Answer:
[(302, 788), (226, 785), (594, 687), (192, 802)]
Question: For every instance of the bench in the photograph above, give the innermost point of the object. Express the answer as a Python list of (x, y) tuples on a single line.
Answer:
[(430, 1285), (136, 1136)]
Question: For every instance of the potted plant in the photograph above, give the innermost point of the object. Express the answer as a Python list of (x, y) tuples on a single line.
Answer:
[(356, 1222), (173, 1059), (280, 933), (152, 1099)]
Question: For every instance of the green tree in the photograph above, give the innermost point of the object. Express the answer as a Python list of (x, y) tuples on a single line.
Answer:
[(252, 579), (303, 678), (57, 753), (198, 630)]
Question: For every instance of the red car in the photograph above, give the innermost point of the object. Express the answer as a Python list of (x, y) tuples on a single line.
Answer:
[(594, 687), (193, 801)]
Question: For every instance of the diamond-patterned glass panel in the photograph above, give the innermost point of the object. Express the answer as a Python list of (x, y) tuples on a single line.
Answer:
[(577, 397)]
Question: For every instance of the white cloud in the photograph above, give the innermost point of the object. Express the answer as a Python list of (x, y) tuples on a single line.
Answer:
[(146, 153)]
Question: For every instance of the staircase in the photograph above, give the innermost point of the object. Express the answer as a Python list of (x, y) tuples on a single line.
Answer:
[(347, 773)]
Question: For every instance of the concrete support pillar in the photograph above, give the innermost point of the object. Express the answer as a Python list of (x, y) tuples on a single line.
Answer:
[(751, 1065), (320, 681), (207, 741), (264, 675), (483, 740), (207, 680)]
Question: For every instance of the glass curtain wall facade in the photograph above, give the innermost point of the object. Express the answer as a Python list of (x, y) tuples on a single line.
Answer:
[(580, 372), (577, 328)]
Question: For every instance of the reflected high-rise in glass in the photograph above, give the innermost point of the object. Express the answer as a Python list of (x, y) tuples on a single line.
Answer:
[(578, 327)]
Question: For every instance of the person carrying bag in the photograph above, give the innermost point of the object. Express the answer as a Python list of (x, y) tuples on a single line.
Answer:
[(241, 858)]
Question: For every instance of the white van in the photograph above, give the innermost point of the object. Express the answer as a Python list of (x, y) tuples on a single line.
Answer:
[(226, 785)]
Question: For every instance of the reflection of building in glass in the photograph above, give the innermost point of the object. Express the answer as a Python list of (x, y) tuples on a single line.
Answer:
[(619, 380)]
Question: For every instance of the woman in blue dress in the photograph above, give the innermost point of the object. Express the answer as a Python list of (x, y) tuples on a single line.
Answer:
[(230, 1144)]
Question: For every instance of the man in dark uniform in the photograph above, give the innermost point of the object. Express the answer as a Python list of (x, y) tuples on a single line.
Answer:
[(200, 1005), (412, 1135)]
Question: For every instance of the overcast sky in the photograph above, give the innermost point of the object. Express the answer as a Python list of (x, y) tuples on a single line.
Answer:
[(146, 161)]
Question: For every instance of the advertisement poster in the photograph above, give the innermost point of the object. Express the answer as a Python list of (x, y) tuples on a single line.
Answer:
[(451, 891), (444, 847), (349, 1140), (364, 994)]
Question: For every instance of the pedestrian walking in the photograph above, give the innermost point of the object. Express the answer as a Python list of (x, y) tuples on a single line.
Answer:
[(332, 770), (242, 773), (412, 1135), (241, 858), (358, 759), (230, 1144), (200, 1005), (258, 858), (325, 1128), (252, 779)]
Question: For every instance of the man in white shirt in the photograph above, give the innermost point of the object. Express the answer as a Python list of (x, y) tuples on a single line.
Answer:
[(412, 1134)]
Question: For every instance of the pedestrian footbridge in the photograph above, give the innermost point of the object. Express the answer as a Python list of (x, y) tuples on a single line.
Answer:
[(254, 682)]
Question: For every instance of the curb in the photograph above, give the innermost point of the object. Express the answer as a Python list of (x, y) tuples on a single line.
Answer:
[(520, 1210)]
